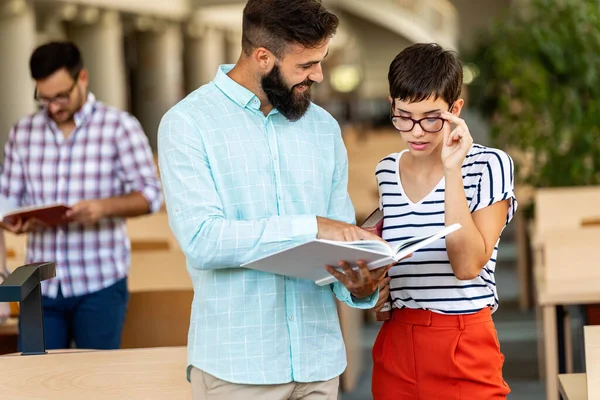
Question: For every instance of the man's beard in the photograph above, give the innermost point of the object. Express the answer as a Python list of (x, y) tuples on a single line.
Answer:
[(67, 114), (290, 104), (62, 116)]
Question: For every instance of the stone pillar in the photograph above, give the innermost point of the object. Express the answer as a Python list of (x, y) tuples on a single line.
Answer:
[(158, 76), (99, 36), (17, 41), (205, 50), (234, 46), (51, 25)]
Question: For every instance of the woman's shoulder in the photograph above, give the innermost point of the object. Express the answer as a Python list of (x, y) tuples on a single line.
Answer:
[(388, 161), (480, 157)]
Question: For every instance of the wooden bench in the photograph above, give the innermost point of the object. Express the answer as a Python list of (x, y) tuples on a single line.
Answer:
[(572, 386), (160, 300), (559, 214), (566, 273), (592, 360)]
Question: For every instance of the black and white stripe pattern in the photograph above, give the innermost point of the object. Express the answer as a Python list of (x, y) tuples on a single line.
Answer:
[(426, 280)]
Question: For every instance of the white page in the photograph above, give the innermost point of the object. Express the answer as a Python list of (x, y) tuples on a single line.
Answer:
[(427, 241), (7, 205), (377, 246), (435, 236)]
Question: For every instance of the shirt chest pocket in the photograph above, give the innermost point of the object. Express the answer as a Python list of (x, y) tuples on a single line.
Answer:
[(243, 172), (262, 174), (307, 163)]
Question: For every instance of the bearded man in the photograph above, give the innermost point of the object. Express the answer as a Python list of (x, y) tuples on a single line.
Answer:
[(251, 166)]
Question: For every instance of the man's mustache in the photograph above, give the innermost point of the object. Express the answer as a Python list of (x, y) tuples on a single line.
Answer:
[(307, 82)]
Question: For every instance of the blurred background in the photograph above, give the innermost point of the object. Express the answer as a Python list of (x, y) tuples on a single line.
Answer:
[(531, 84)]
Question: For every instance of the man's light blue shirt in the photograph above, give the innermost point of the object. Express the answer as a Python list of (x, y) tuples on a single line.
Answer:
[(238, 186)]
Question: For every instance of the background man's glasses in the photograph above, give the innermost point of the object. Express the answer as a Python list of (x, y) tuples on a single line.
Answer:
[(60, 99)]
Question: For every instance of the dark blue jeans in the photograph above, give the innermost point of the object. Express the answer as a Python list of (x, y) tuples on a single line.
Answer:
[(92, 321)]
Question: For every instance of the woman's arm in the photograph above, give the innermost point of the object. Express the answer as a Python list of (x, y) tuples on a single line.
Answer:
[(470, 248)]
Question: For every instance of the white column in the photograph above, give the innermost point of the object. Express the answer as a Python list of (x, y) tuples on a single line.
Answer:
[(204, 51), (99, 36), (158, 76), (52, 30), (17, 41), (234, 46)]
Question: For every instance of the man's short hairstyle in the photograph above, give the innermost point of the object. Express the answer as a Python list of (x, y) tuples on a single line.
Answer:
[(275, 24), (51, 57), (423, 70)]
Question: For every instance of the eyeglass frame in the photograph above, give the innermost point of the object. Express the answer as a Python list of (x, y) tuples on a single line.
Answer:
[(415, 121), (64, 97)]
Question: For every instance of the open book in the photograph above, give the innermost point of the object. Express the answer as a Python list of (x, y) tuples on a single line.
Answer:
[(50, 214), (308, 260)]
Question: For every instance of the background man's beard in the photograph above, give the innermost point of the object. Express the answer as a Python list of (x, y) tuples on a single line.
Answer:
[(290, 104), (69, 114), (62, 116)]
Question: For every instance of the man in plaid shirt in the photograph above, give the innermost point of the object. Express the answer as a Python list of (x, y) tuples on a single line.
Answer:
[(97, 160)]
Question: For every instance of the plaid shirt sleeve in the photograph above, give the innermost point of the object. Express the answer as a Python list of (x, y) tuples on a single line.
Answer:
[(12, 178), (136, 162)]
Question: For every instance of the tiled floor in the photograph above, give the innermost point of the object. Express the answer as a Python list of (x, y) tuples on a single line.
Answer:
[(516, 332)]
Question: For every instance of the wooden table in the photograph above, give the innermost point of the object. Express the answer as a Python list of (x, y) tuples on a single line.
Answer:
[(161, 293), (566, 273), (572, 386), (157, 373)]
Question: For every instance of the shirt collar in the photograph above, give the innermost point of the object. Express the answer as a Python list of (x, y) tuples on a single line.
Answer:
[(234, 90), (81, 115), (84, 112)]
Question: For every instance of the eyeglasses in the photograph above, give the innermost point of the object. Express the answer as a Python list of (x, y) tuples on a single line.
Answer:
[(61, 98), (427, 124)]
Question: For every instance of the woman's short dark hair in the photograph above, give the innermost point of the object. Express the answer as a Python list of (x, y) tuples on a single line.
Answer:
[(50, 57), (275, 24), (425, 69)]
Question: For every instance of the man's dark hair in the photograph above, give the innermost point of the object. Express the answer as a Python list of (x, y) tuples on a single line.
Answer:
[(425, 69), (50, 57), (274, 24)]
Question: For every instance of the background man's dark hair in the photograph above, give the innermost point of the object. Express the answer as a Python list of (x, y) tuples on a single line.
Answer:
[(425, 69), (50, 57), (274, 24)]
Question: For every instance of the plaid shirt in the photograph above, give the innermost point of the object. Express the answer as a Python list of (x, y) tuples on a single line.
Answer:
[(107, 155)]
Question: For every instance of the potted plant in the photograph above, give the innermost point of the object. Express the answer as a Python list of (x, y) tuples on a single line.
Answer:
[(538, 84)]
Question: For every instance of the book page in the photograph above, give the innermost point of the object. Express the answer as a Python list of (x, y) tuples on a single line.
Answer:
[(408, 246), (375, 246), (7, 205)]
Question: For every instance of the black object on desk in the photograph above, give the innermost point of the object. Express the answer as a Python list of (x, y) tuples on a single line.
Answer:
[(23, 285)]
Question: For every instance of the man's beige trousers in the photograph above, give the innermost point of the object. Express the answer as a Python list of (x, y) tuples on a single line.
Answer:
[(208, 387)]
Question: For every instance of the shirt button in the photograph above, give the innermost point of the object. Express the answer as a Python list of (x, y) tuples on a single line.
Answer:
[(291, 318)]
